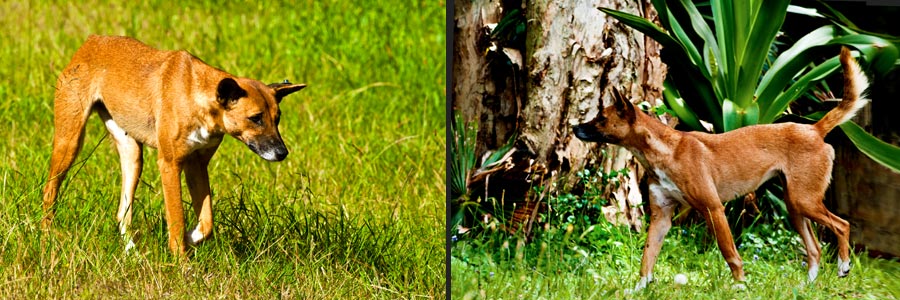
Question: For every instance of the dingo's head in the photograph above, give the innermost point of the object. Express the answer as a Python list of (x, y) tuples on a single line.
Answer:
[(251, 113), (612, 125)]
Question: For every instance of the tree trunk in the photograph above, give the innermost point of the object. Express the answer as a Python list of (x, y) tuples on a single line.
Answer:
[(574, 56), (484, 89)]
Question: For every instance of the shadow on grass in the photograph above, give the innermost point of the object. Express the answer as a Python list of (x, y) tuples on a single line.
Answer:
[(290, 228), (254, 231)]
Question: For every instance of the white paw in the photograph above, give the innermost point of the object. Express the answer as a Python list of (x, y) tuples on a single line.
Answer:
[(739, 287), (843, 267), (196, 237), (123, 227), (129, 245), (813, 272), (643, 283)]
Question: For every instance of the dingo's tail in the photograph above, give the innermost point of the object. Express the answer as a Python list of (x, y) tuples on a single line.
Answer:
[(855, 84)]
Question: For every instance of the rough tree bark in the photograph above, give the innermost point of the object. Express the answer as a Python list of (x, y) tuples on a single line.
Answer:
[(483, 89), (574, 56)]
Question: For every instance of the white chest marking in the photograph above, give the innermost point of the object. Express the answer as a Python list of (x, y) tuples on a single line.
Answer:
[(665, 190), (199, 138)]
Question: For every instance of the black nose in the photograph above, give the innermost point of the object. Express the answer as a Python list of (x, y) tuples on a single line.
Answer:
[(281, 153), (273, 150), (581, 131), (277, 149)]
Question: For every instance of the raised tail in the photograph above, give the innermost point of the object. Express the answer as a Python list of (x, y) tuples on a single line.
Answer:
[(855, 84)]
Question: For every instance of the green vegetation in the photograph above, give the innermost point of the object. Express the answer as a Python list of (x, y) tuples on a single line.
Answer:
[(576, 259), (713, 64), (574, 253), (716, 50), (355, 211)]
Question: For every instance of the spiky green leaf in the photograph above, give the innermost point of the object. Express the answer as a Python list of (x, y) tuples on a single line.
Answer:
[(885, 154)]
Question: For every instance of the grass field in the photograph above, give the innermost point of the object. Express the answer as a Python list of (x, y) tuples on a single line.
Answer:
[(355, 211), (602, 261)]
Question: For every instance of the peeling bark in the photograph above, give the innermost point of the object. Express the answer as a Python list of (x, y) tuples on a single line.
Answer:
[(574, 56), (485, 89), (572, 49)]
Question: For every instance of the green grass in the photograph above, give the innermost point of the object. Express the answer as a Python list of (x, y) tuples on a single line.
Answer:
[(602, 262), (355, 211)]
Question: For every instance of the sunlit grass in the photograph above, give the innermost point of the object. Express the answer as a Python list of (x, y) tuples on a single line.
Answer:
[(604, 263), (356, 209)]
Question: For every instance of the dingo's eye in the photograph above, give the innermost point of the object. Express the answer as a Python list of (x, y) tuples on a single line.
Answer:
[(256, 119)]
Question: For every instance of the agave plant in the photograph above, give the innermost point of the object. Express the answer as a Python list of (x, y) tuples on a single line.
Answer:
[(718, 74)]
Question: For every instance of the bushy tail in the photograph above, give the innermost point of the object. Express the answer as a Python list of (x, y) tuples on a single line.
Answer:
[(855, 84)]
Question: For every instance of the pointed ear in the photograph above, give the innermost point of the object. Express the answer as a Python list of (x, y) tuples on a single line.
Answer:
[(623, 106), (228, 92), (618, 101), (285, 88)]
